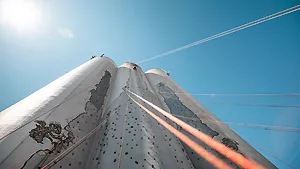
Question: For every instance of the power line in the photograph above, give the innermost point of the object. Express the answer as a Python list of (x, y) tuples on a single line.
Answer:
[(230, 31), (250, 104), (258, 126), (242, 95)]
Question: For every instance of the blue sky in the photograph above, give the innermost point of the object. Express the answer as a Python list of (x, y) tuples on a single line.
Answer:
[(261, 59)]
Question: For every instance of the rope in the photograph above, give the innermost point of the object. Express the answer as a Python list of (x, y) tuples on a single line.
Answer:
[(222, 149), (230, 31)]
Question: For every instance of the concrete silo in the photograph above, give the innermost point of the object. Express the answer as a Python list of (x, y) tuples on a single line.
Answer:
[(85, 119)]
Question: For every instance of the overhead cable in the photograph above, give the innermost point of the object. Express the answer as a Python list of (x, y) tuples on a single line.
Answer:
[(242, 95), (230, 31), (258, 126)]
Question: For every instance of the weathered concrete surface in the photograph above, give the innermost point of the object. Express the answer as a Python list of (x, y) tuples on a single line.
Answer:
[(79, 107), (185, 105)]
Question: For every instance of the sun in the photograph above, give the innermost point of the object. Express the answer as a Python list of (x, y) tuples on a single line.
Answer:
[(21, 15)]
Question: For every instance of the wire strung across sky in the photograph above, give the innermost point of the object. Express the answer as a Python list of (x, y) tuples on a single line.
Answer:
[(246, 95), (257, 126), (230, 31), (243, 95)]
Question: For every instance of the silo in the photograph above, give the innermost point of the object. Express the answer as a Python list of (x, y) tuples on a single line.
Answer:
[(176, 100), (46, 123), (85, 119)]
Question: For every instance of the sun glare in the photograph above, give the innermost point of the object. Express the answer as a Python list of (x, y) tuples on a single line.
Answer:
[(21, 15)]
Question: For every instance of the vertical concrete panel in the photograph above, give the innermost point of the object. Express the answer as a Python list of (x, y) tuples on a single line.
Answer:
[(177, 101)]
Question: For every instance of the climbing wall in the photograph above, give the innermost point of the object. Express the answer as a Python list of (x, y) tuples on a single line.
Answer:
[(131, 138), (176, 100)]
